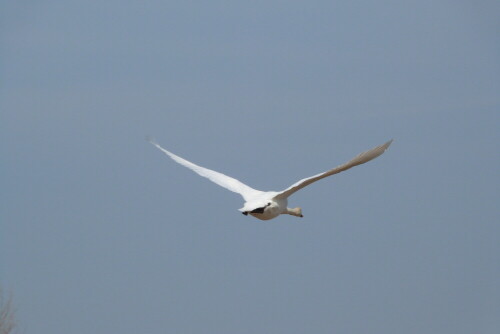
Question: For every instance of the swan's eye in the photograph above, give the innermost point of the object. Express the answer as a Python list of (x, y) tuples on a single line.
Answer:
[(268, 203)]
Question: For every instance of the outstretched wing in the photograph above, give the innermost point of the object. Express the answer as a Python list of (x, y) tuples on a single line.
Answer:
[(358, 160), (216, 177)]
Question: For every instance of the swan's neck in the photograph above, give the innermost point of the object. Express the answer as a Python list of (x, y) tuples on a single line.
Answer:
[(297, 212)]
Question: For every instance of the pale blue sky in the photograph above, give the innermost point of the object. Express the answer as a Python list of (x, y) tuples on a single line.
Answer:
[(101, 233)]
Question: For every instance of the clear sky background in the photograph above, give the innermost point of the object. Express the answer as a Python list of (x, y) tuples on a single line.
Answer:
[(102, 233)]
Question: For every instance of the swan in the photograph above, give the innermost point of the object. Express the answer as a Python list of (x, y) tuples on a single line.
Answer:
[(266, 205)]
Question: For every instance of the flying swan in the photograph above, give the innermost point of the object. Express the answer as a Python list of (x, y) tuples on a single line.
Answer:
[(267, 205)]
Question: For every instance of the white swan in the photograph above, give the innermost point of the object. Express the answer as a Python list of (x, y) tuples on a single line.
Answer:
[(267, 205)]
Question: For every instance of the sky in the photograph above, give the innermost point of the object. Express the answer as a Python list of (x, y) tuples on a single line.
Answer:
[(102, 233)]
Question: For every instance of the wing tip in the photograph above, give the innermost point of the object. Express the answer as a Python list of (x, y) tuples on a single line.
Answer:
[(387, 144), (151, 140)]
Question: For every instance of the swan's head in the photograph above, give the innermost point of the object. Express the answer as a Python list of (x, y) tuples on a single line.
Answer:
[(295, 212)]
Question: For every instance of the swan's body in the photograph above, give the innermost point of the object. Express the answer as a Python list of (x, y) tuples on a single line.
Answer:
[(267, 205)]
